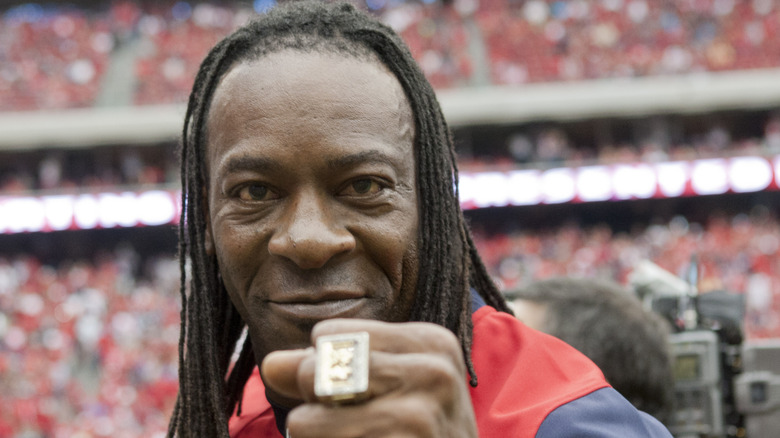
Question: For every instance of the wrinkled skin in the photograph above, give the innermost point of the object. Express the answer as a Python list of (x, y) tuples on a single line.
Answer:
[(313, 215)]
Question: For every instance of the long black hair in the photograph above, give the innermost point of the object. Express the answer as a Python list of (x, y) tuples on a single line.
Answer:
[(211, 327)]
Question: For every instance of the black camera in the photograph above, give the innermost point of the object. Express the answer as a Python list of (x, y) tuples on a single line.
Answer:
[(724, 386)]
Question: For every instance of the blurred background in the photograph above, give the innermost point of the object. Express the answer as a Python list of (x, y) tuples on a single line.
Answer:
[(593, 137)]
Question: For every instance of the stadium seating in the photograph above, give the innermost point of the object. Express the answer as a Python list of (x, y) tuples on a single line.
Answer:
[(68, 50)]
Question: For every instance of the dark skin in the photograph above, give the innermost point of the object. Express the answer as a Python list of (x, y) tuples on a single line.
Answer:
[(313, 218)]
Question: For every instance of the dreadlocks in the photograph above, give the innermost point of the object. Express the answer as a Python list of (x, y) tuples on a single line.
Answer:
[(211, 326)]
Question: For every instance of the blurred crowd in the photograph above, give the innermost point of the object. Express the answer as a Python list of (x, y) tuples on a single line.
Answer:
[(88, 348), (536, 40), (554, 147), (57, 56), (738, 254), (108, 168), (52, 59), (174, 41)]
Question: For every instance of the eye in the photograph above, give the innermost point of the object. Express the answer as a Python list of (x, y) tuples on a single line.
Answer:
[(254, 192), (364, 186)]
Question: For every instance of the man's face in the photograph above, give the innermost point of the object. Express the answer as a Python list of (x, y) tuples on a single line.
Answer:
[(312, 194)]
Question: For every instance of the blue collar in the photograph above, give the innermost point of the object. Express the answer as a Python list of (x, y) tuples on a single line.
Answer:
[(476, 301)]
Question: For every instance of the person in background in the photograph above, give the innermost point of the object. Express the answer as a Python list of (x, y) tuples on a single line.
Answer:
[(320, 198), (607, 323)]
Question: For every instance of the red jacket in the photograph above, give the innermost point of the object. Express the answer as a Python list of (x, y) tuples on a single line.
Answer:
[(530, 385)]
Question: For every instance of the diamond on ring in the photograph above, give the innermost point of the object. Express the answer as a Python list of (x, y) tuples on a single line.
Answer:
[(341, 373)]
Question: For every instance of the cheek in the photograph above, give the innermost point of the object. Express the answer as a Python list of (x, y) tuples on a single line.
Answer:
[(236, 257), (411, 265), (231, 254), (403, 268), (404, 283), (235, 240)]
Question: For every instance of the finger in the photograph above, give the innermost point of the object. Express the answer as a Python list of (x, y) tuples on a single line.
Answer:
[(280, 372)]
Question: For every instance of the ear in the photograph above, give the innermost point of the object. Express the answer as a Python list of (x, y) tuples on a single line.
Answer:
[(208, 234)]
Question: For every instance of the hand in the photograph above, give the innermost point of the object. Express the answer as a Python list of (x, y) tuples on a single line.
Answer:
[(417, 385)]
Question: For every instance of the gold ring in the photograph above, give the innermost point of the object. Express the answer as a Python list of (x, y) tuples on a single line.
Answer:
[(341, 373)]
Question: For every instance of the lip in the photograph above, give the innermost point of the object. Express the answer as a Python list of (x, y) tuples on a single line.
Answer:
[(320, 309)]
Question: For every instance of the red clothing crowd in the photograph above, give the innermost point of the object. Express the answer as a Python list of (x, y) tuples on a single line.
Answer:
[(55, 57), (87, 349)]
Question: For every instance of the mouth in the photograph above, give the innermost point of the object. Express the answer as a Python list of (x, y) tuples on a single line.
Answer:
[(319, 310)]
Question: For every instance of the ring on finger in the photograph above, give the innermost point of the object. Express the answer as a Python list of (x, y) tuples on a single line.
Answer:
[(341, 373)]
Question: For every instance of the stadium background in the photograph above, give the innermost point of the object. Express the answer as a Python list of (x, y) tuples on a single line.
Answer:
[(566, 115)]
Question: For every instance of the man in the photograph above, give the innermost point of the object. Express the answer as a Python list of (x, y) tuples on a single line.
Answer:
[(319, 190), (608, 324)]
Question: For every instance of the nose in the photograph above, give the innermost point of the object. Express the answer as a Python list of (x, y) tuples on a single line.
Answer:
[(309, 235)]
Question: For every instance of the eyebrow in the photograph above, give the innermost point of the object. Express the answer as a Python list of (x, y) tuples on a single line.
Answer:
[(244, 163), (249, 163), (369, 156)]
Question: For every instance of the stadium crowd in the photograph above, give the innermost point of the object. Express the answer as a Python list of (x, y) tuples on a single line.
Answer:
[(539, 40), (52, 59), (56, 56), (89, 348), (78, 170), (175, 40), (553, 147)]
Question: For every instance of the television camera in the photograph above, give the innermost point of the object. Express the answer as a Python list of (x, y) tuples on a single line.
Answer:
[(724, 386)]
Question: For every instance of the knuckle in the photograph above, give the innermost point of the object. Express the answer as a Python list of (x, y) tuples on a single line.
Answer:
[(444, 342), (440, 378)]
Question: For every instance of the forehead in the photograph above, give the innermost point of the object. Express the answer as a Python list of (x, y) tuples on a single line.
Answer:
[(294, 85)]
